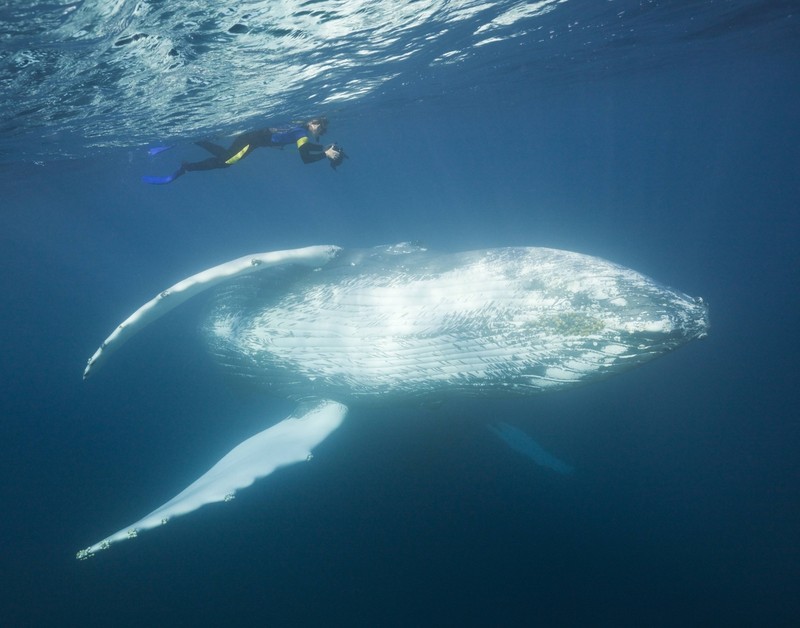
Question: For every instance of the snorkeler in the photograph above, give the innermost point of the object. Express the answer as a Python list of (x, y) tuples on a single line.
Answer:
[(246, 143)]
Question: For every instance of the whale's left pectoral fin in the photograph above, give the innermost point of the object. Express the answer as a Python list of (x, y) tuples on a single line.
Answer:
[(285, 443), (524, 444)]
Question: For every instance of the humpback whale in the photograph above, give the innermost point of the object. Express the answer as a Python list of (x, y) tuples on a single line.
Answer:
[(329, 327)]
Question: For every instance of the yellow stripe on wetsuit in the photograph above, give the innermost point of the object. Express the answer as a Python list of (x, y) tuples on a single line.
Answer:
[(301, 141), (238, 155)]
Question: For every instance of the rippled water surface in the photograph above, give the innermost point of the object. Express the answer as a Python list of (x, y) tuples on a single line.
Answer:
[(75, 76)]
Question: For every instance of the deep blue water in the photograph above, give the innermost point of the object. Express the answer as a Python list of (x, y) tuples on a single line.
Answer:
[(675, 153)]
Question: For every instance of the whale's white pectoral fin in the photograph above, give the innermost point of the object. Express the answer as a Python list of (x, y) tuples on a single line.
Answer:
[(312, 256), (288, 442), (521, 442)]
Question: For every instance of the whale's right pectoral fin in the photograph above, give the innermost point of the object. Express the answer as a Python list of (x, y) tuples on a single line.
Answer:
[(285, 443)]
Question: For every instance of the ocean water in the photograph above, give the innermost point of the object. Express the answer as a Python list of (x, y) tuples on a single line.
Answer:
[(660, 135)]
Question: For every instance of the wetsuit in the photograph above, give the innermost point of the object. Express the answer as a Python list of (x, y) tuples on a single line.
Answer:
[(246, 143)]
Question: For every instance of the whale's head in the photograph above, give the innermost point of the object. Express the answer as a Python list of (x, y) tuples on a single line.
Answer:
[(585, 317), (649, 319)]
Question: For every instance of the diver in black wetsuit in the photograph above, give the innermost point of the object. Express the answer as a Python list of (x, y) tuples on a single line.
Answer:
[(246, 143)]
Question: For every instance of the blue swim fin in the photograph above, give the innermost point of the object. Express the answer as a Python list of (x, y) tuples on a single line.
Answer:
[(153, 151), (162, 180), (158, 180)]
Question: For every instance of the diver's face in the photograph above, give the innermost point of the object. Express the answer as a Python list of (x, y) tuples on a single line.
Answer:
[(316, 128)]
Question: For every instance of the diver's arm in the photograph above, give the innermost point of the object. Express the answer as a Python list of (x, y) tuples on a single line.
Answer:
[(310, 152)]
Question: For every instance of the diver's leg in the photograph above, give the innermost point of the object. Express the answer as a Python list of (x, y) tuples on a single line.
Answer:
[(219, 160), (212, 163), (227, 156), (252, 139), (214, 149)]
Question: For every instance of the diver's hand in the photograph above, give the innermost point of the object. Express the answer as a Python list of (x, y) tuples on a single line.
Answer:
[(333, 152), (335, 155)]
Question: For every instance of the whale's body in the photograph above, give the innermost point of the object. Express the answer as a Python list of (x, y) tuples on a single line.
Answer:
[(401, 322), (410, 323)]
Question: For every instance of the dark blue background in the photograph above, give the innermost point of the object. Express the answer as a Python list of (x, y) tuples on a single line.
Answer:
[(684, 506)]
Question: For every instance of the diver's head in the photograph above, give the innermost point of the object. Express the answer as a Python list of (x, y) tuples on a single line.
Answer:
[(317, 126)]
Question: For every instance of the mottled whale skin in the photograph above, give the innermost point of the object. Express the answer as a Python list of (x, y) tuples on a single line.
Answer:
[(331, 327)]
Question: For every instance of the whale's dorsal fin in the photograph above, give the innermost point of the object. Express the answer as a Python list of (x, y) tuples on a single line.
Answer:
[(311, 256), (285, 443)]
